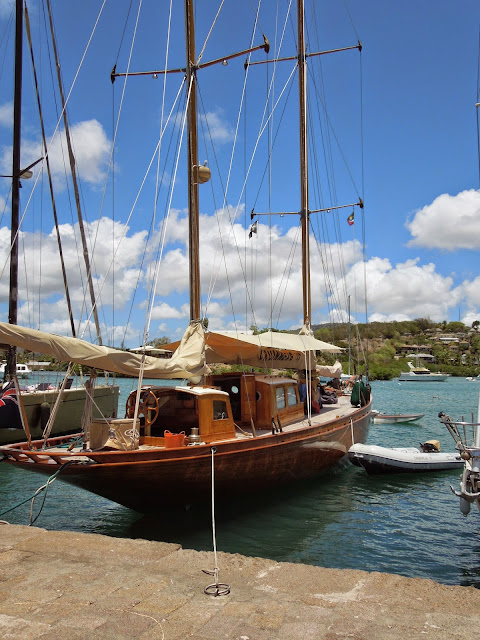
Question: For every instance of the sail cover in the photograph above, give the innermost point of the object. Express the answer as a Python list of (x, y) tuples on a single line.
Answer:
[(188, 361), (270, 349), (334, 371)]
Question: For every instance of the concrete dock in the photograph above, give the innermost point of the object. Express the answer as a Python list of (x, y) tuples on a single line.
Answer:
[(64, 585)]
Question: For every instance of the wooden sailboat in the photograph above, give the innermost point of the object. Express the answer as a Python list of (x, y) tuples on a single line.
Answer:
[(23, 413), (250, 430)]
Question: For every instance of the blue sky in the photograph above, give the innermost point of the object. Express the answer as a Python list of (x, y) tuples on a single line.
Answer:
[(417, 169)]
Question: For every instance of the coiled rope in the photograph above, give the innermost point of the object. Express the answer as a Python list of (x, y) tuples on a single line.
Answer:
[(217, 588)]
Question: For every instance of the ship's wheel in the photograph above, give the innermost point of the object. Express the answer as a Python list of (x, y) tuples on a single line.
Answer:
[(148, 406)]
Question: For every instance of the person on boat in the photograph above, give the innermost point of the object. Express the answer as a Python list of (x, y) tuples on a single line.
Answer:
[(315, 400), (315, 397)]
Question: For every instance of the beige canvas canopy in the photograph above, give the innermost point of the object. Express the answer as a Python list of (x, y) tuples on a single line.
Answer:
[(188, 361), (270, 349)]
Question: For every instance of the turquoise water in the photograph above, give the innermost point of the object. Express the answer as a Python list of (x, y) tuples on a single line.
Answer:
[(397, 524)]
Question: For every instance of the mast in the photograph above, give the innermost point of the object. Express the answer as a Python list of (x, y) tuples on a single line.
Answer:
[(75, 182), (304, 212), (11, 367), (349, 337), (192, 159)]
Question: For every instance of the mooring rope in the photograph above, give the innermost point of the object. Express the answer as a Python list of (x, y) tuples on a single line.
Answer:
[(44, 488), (217, 588)]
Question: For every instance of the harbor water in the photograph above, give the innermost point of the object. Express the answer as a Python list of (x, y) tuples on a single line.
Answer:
[(405, 524)]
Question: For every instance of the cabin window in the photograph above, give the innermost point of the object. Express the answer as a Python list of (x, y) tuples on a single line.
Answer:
[(220, 410), (291, 396), (280, 398)]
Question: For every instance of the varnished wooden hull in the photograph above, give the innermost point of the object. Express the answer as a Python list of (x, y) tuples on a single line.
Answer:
[(147, 480)]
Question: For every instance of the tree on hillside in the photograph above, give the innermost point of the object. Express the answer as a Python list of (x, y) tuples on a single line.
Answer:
[(455, 327), (424, 323)]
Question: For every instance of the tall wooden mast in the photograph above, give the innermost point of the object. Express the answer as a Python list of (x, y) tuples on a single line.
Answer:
[(304, 212), (17, 113), (192, 159)]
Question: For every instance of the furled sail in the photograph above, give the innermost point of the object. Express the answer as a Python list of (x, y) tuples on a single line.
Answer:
[(334, 371), (188, 361)]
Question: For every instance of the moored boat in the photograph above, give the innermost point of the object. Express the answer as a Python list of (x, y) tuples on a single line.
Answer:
[(234, 432), (390, 418), (22, 370), (421, 374), (38, 405), (376, 459)]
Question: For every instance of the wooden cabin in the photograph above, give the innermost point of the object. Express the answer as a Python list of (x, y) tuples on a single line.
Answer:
[(266, 402)]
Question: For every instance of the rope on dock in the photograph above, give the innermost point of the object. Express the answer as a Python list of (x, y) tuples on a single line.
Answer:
[(217, 588)]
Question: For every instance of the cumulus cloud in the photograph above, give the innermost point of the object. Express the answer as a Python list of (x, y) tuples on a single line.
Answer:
[(245, 280), (40, 277), (218, 128), (404, 291), (91, 148), (164, 311), (448, 223)]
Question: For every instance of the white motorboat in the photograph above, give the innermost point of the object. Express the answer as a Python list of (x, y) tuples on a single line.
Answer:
[(390, 418), (22, 370), (375, 459), (421, 374)]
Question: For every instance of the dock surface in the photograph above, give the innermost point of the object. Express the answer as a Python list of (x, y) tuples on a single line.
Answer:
[(65, 585)]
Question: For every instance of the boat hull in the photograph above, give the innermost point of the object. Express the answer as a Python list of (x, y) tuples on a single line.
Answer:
[(384, 418), (69, 416), (148, 480), (422, 377), (376, 460)]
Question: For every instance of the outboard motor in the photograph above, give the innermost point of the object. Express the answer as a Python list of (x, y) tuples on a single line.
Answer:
[(430, 446)]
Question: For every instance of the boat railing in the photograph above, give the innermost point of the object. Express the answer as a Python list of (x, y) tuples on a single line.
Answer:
[(465, 434)]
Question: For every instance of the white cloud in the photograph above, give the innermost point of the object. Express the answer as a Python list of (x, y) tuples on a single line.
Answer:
[(449, 223), (91, 148), (167, 312), (40, 277), (270, 282), (405, 291), (218, 128)]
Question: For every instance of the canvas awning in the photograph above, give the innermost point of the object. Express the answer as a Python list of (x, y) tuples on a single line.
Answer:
[(270, 349), (188, 361)]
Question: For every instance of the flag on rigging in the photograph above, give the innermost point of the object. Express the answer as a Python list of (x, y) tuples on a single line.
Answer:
[(253, 229), (351, 218)]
